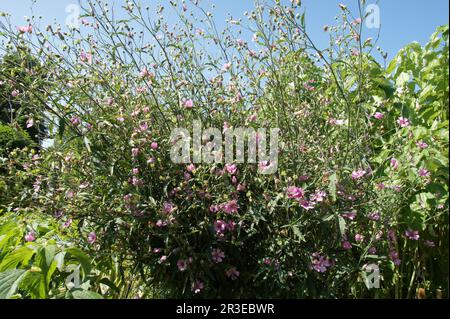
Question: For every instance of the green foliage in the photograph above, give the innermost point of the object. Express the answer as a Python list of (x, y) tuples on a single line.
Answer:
[(11, 138)]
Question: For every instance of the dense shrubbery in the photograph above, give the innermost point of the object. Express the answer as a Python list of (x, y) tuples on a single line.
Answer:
[(362, 173)]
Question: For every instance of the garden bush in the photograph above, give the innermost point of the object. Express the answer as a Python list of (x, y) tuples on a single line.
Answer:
[(362, 173)]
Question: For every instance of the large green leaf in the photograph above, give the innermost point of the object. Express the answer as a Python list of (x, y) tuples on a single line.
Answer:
[(9, 281), (84, 259), (21, 255)]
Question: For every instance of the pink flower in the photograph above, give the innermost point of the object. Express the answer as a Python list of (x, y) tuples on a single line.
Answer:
[(217, 255), (378, 115), (15, 93), (182, 265), (135, 152), (308, 87), (349, 215), (358, 174), (30, 123), (320, 263), (372, 250), (232, 273), (230, 207), (190, 168), (318, 196), (143, 126), (135, 181), (197, 286), (168, 207), (226, 66), (92, 237), (393, 255), (346, 245), (75, 120), (189, 104), (144, 72), (30, 236), (154, 145), (422, 144), (412, 234), (359, 237), (394, 163), (429, 243), (67, 223), (135, 171), (231, 168), (423, 172), (252, 118), (85, 57), (162, 259), (25, 29), (295, 192), (374, 216), (403, 122), (305, 204)]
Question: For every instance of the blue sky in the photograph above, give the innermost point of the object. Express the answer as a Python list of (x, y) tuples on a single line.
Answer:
[(402, 21)]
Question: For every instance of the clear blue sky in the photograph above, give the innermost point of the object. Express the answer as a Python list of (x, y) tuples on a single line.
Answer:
[(402, 21)]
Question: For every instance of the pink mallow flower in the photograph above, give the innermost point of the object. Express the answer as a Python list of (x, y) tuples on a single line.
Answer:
[(403, 122), (197, 286), (182, 265), (92, 237), (25, 29), (412, 234), (346, 245), (189, 104), (394, 163), (378, 115), (30, 236), (230, 207), (232, 273), (217, 255), (422, 144), (423, 172), (358, 174), (231, 169), (295, 192)]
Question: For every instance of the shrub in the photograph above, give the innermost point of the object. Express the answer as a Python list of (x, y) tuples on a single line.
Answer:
[(353, 188)]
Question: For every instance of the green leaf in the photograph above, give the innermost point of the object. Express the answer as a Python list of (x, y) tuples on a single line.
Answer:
[(9, 281), (34, 284), (86, 294), (21, 255), (332, 186), (84, 259), (342, 225)]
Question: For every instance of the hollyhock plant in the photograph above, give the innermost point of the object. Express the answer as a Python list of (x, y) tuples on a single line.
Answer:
[(102, 107)]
